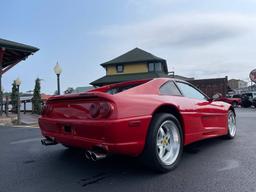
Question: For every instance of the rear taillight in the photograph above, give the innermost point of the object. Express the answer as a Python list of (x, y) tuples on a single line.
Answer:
[(105, 109), (94, 110), (100, 110)]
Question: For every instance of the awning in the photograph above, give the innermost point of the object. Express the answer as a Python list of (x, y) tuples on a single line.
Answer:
[(12, 53)]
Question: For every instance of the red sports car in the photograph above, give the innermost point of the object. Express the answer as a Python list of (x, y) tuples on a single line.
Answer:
[(153, 119)]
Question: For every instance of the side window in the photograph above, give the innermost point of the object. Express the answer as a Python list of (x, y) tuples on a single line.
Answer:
[(119, 68), (169, 88), (189, 91), (151, 67), (158, 67)]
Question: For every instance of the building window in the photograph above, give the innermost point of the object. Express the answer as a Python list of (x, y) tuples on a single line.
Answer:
[(120, 68), (158, 67), (155, 67), (151, 67)]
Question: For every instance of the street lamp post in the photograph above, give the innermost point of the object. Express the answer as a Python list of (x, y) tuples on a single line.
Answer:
[(58, 70), (18, 82)]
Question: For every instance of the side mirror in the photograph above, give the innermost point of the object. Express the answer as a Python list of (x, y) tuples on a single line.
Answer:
[(210, 100), (216, 96)]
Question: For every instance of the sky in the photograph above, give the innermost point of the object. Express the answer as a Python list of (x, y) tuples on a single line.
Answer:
[(199, 38)]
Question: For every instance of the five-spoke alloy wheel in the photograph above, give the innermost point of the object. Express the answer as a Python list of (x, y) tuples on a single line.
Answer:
[(231, 125), (168, 142), (164, 144)]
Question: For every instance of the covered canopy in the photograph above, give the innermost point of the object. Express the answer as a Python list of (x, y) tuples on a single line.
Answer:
[(11, 53)]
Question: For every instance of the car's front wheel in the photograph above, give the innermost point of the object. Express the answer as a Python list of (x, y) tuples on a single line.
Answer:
[(231, 125), (164, 144)]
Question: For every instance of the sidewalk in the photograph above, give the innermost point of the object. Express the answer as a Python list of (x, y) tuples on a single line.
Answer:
[(28, 120), (7, 121)]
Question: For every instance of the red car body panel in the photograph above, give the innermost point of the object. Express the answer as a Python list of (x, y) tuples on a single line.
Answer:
[(124, 131)]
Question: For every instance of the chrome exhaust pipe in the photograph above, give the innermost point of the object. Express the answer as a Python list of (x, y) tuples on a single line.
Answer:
[(94, 156), (88, 155), (97, 156), (48, 142)]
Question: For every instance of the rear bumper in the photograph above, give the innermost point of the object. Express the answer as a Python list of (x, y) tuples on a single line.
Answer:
[(123, 136)]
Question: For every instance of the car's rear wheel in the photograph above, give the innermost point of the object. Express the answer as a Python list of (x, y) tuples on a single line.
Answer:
[(164, 144), (231, 125)]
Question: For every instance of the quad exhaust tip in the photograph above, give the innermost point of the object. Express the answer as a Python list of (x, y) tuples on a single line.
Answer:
[(94, 156)]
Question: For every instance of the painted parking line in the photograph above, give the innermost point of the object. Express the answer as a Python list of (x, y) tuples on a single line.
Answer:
[(26, 141)]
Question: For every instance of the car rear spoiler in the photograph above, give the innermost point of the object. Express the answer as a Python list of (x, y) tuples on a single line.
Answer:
[(82, 95)]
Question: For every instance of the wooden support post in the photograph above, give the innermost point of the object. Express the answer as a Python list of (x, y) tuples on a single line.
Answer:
[(24, 106), (2, 50), (7, 106)]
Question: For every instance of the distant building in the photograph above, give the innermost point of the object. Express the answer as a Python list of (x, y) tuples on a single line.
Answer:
[(26, 101), (237, 84), (212, 86), (134, 65)]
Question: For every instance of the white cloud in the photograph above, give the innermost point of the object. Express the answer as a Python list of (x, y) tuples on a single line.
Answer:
[(201, 45), (184, 30)]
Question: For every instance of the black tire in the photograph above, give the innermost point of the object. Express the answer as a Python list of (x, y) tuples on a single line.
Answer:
[(229, 134), (234, 104), (150, 155)]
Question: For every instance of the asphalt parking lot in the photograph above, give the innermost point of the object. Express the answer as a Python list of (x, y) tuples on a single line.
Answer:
[(211, 165)]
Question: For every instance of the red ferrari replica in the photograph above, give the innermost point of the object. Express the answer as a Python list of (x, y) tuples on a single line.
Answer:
[(153, 119)]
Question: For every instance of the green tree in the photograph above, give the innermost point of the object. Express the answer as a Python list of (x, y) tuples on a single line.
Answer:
[(14, 97), (36, 100)]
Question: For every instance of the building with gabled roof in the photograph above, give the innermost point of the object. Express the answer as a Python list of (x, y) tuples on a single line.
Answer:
[(136, 64)]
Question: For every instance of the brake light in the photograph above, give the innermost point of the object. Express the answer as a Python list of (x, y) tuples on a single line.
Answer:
[(102, 109), (105, 109)]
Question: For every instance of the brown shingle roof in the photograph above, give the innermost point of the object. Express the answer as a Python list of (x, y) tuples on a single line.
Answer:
[(134, 56)]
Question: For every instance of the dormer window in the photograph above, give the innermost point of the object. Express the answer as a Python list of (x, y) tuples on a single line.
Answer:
[(120, 68), (155, 67)]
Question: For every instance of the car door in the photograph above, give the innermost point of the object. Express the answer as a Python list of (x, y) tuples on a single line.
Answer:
[(206, 116)]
